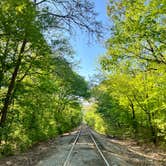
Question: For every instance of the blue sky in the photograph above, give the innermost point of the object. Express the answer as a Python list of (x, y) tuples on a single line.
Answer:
[(86, 53)]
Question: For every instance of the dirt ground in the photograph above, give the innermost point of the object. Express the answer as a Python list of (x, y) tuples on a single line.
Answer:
[(117, 152)]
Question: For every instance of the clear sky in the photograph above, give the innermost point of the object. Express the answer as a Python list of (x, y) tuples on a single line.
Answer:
[(86, 53)]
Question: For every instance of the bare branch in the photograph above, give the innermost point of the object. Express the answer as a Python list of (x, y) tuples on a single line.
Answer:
[(70, 14)]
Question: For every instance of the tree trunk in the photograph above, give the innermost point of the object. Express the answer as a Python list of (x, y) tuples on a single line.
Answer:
[(133, 111), (11, 87), (134, 122), (153, 132)]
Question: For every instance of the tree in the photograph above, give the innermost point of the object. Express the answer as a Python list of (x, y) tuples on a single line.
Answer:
[(20, 36), (135, 65), (132, 102), (21, 25), (37, 83), (67, 15), (138, 30)]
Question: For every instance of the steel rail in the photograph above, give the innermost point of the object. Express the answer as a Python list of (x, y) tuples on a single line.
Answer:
[(66, 163), (69, 154), (100, 152)]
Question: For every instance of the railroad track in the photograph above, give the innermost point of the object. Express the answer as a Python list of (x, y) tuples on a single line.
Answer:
[(85, 137)]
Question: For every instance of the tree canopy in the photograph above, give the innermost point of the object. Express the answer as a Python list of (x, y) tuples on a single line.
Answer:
[(39, 96), (131, 97)]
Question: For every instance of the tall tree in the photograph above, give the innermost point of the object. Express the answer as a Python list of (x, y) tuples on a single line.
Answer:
[(22, 24), (138, 30), (134, 65), (21, 36)]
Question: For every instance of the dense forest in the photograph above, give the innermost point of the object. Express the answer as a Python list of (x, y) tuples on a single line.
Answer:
[(41, 93), (130, 100)]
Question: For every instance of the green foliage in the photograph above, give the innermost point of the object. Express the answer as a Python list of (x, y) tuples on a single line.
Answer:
[(131, 99), (39, 93), (6, 149), (132, 105), (138, 31), (43, 106), (95, 119)]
